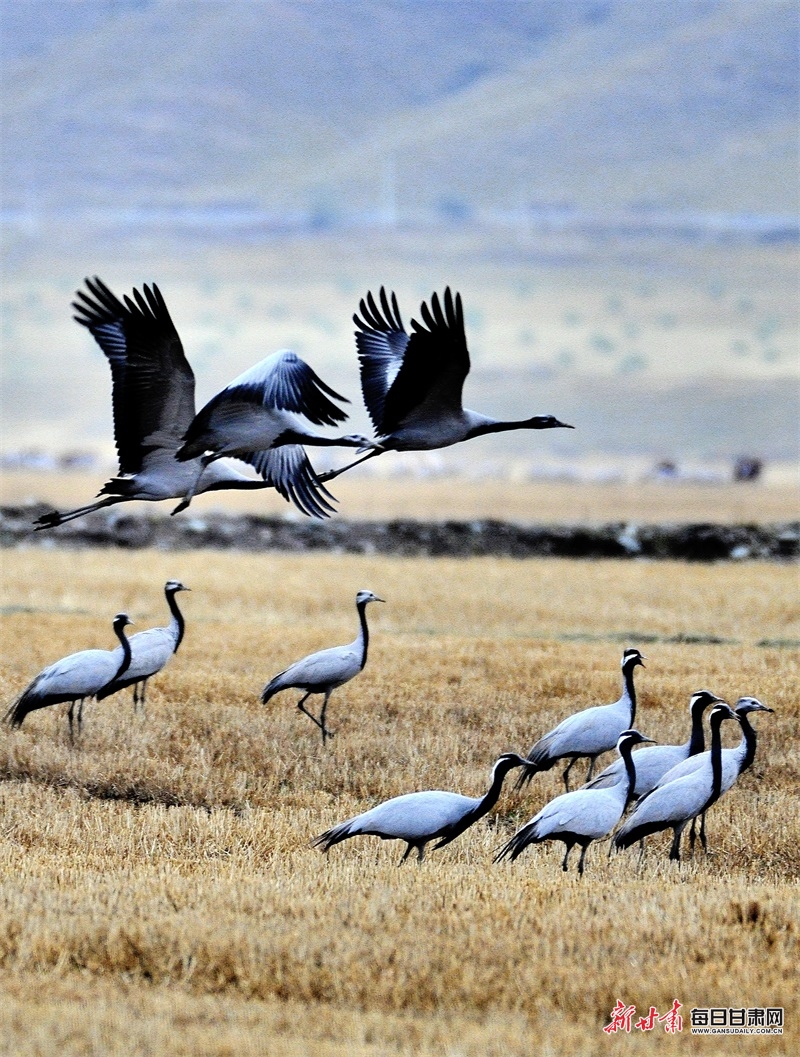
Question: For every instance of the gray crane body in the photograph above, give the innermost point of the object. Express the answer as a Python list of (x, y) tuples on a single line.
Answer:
[(151, 650), (673, 804), (325, 671), (583, 815), (153, 402), (74, 678), (418, 818), (588, 733), (654, 761)]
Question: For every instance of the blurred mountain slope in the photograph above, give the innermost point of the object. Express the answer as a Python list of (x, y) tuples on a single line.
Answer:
[(401, 108)]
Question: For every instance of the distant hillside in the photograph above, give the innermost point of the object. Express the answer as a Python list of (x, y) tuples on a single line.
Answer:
[(400, 109)]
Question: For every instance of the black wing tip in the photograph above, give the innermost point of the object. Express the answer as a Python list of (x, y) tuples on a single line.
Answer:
[(383, 319), (435, 317)]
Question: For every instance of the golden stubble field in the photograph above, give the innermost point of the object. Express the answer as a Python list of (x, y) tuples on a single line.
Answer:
[(159, 894), (370, 497)]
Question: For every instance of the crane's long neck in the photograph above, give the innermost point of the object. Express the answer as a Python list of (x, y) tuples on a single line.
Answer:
[(716, 759), (177, 625), (298, 435), (746, 749), (492, 795), (630, 769), (363, 632), (482, 425), (126, 652), (697, 741), (629, 690)]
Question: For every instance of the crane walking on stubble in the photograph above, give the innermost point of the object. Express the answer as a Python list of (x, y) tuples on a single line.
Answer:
[(653, 761), (324, 671), (585, 814), (257, 418), (74, 678), (734, 761), (150, 651), (673, 804), (412, 384), (418, 818), (153, 403), (588, 733)]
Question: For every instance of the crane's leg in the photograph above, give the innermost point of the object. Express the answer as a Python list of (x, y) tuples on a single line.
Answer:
[(204, 462), (69, 717), (53, 519), (420, 852), (564, 864), (80, 716), (692, 836), (566, 772), (675, 850), (590, 772), (141, 696), (406, 854), (301, 704), (703, 840), (325, 732), (642, 850), (580, 861), (329, 476)]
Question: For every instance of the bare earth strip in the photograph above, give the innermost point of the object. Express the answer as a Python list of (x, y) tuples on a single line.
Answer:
[(158, 891)]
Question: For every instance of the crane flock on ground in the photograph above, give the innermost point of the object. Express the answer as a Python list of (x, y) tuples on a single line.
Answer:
[(412, 389)]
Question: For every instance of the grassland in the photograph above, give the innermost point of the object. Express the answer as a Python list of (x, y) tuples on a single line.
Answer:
[(540, 502), (159, 894)]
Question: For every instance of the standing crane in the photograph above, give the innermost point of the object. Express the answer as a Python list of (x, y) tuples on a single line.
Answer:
[(653, 762), (673, 804), (585, 814), (418, 818), (74, 678), (324, 671), (412, 384), (588, 733), (150, 651), (734, 761), (257, 418)]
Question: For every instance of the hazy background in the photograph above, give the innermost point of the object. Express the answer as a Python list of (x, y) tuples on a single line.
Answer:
[(612, 185)]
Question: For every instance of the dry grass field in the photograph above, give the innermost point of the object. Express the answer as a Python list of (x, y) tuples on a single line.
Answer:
[(375, 498), (159, 894)]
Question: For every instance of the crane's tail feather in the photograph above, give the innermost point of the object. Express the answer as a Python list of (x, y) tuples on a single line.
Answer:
[(526, 774), (518, 843), (273, 687), (632, 834), (16, 714), (332, 836)]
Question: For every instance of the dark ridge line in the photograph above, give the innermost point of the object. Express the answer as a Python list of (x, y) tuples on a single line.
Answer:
[(648, 637), (697, 542), (132, 794)]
